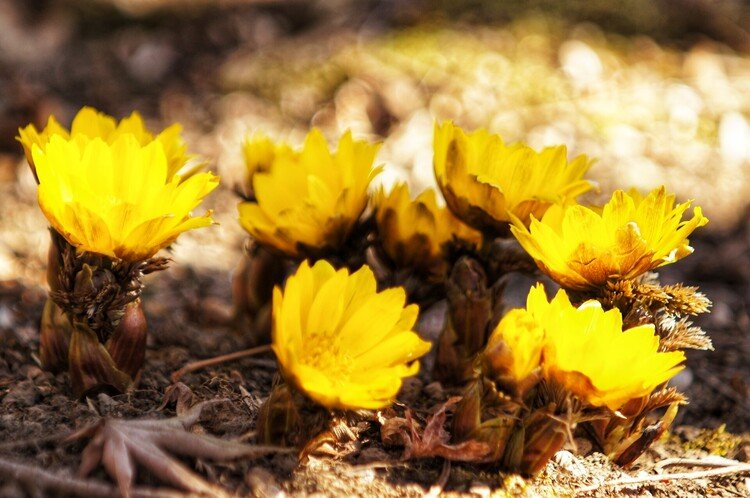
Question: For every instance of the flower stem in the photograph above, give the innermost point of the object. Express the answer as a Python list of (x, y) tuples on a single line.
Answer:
[(217, 360)]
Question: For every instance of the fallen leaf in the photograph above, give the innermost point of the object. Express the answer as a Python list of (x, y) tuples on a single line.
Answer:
[(122, 445), (179, 394), (433, 441)]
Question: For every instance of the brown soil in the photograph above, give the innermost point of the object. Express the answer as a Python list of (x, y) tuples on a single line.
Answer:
[(189, 315)]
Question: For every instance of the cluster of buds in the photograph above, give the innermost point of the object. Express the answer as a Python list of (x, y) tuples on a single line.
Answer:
[(114, 194), (593, 362)]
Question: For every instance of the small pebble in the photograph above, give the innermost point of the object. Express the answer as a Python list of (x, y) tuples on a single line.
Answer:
[(568, 462), (481, 490), (263, 483), (682, 380), (435, 390)]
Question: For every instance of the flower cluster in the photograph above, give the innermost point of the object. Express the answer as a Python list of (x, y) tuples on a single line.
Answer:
[(600, 353), (336, 278)]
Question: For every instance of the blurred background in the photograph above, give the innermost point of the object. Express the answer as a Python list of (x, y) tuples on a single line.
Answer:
[(657, 90)]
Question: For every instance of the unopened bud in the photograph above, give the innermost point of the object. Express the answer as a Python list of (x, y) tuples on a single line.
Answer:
[(470, 310), (543, 437), (468, 414), (127, 345), (90, 281), (54, 338), (91, 366), (252, 289), (278, 419)]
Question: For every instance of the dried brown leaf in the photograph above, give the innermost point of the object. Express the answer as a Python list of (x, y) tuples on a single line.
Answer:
[(179, 394), (434, 440), (121, 445)]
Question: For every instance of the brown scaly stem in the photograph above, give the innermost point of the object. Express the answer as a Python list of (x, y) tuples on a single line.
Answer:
[(93, 324), (258, 272), (470, 312), (218, 360)]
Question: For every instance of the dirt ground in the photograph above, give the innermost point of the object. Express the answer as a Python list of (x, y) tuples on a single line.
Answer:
[(644, 106)]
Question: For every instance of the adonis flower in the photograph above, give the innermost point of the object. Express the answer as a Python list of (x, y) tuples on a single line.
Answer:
[(487, 183), (260, 152), (587, 352), (311, 198), (414, 232), (342, 343), (583, 248), (90, 124), (117, 199), (514, 349)]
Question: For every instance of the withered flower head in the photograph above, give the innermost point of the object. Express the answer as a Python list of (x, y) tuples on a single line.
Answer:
[(342, 343), (487, 183), (583, 248), (414, 232), (117, 199), (312, 198)]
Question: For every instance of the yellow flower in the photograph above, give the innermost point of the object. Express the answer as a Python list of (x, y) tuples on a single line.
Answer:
[(583, 248), (310, 199), (514, 349), (90, 124), (413, 232), (587, 352), (260, 152), (118, 199), (341, 342), (486, 182)]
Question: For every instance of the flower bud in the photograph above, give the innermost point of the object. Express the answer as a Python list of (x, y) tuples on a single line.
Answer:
[(54, 338), (252, 289), (91, 366), (514, 351), (278, 418), (543, 437), (468, 414), (91, 281), (127, 345), (485, 415), (54, 261), (470, 310)]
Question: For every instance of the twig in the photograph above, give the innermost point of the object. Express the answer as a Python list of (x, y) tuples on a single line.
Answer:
[(34, 441), (73, 486), (217, 360), (628, 481), (437, 488), (714, 461)]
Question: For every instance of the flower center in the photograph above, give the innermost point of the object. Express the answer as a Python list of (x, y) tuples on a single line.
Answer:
[(324, 353)]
